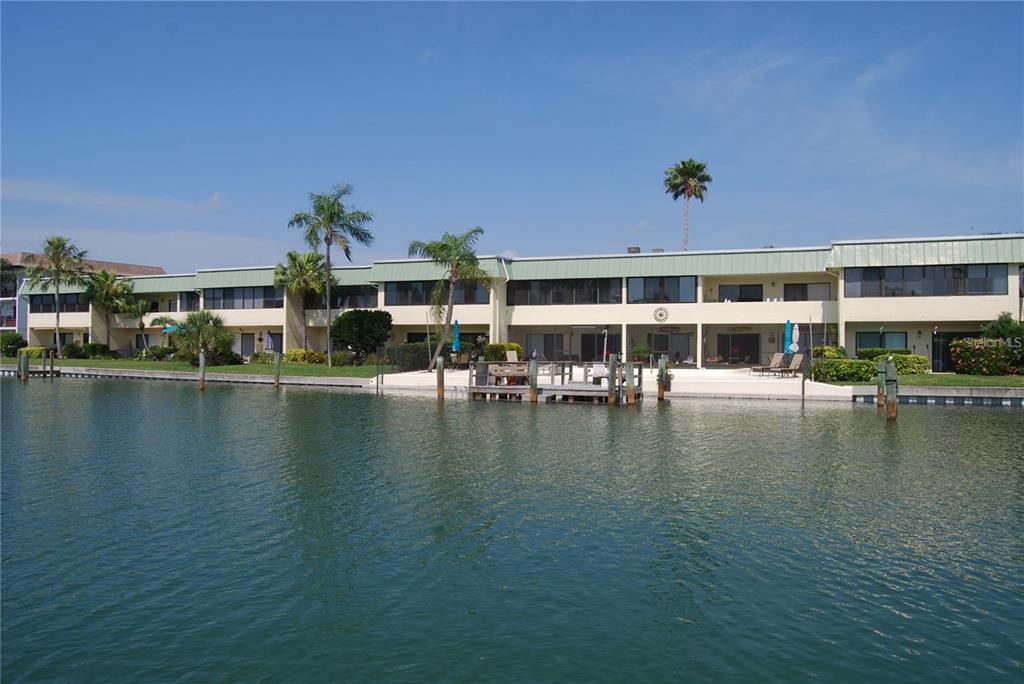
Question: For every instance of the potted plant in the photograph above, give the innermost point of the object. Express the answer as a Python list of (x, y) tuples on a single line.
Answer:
[(642, 353)]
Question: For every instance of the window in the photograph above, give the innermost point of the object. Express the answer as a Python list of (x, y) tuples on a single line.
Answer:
[(741, 293), (244, 297), (807, 292), (42, 303), (188, 301), (668, 289), (8, 315), (927, 281), (73, 303), (419, 293), (346, 297), (565, 291), (548, 346), (885, 340)]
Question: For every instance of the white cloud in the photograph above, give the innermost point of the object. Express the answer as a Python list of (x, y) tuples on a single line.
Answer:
[(893, 66), (17, 189)]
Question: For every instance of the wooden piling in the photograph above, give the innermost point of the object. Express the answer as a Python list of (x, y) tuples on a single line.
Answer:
[(202, 370), (880, 379), (23, 367), (613, 377), (533, 380), (277, 369), (630, 383), (891, 390), (440, 377), (662, 377), (51, 365)]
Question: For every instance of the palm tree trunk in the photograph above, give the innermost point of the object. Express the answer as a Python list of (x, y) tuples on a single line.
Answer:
[(447, 322), (142, 331), (328, 264), (305, 329), (56, 308), (107, 318), (686, 223)]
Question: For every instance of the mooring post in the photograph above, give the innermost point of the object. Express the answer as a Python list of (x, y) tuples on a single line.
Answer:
[(662, 377), (51, 364), (22, 366), (533, 381), (630, 369), (202, 370), (891, 390), (440, 377), (277, 369), (613, 377), (880, 378)]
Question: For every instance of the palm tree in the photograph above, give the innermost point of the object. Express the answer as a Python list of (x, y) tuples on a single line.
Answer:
[(61, 263), (138, 308), (457, 255), (332, 224), (107, 291), (687, 179), (164, 322), (302, 274), (201, 331)]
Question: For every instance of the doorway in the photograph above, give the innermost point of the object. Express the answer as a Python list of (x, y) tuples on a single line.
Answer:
[(674, 345), (592, 345), (739, 348), (941, 360), (248, 344)]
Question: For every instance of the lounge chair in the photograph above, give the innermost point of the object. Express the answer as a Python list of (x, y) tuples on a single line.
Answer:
[(793, 368), (775, 364)]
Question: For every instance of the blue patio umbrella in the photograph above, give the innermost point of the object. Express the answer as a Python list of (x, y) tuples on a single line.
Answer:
[(170, 329), (788, 339), (455, 337)]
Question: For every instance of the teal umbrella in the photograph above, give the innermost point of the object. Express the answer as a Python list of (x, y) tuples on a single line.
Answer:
[(455, 337), (170, 329)]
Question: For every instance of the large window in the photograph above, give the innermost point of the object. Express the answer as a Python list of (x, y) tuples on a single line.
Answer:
[(927, 281), (69, 303), (740, 293), (667, 289), (346, 297), (188, 301), (807, 292), (243, 297), (418, 293), (565, 291), (883, 340)]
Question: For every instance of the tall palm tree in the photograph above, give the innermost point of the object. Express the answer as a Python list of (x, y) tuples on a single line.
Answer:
[(331, 223), (457, 255), (107, 291), (302, 274), (138, 308), (687, 179), (61, 263)]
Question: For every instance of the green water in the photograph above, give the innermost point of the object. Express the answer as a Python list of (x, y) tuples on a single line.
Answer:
[(153, 533)]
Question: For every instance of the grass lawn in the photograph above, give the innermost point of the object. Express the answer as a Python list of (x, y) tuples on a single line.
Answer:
[(250, 369), (950, 380)]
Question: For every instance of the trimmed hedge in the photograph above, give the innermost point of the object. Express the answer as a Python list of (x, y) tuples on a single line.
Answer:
[(906, 364), (827, 352), (411, 356), (981, 356), (262, 357), (10, 343), (843, 370), (96, 350), (869, 353), (155, 353), (305, 356), (347, 358), (32, 352), (73, 351), (496, 351)]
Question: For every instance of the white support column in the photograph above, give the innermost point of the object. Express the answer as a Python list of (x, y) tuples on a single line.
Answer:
[(625, 344), (699, 356)]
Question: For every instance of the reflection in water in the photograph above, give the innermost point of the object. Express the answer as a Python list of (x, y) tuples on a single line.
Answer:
[(152, 531)]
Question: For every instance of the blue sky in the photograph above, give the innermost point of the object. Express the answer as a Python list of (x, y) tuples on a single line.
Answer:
[(186, 134)]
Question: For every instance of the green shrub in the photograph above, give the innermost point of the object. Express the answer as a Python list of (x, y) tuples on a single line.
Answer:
[(73, 351), (361, 330), (1008, 329), (305, 356), (262, 357), (221, 357), (981, 356), (496, 351), (346, 358), (869, 353), (828, 352), (155, 353), (32, 352), (95, 350), (906, 364), (10, 343), (411, 356), (181, 355), (843, 370), (642, 352)]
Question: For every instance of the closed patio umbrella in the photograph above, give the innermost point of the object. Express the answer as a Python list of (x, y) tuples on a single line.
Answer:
[(268, 342), (455, 337), (795, 345)]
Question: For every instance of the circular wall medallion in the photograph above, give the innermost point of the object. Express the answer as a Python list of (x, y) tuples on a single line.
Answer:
[(661, 314)]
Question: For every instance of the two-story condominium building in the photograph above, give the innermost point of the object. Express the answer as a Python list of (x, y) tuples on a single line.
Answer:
[(702, 308)]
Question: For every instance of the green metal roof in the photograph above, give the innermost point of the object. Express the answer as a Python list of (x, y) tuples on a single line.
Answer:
[(693, 263), (170, 283), (928, 252), (238, 277), (359, 275), (390, 271)]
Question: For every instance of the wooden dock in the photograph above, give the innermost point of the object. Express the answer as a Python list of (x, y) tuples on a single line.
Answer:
[(611, 383)]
